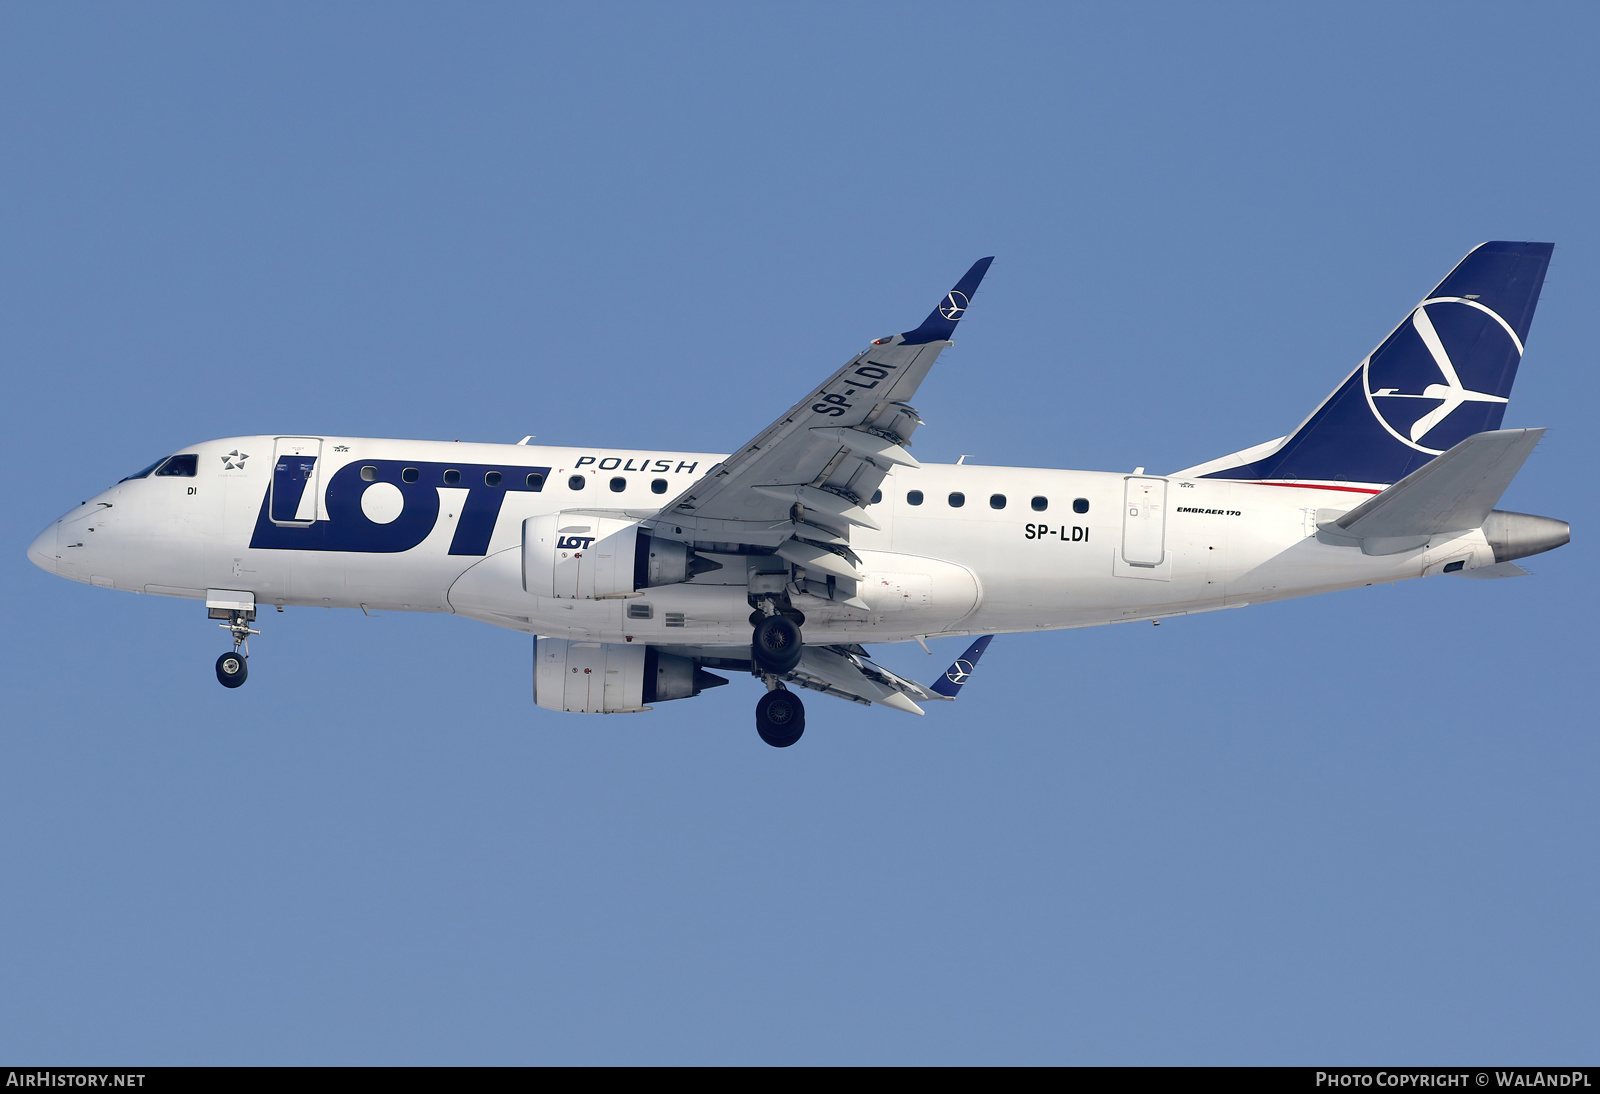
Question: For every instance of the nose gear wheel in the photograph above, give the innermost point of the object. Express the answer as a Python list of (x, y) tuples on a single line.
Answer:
[(233, 668)]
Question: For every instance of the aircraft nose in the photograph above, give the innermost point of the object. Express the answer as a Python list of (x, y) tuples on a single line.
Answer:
[(42, 551)]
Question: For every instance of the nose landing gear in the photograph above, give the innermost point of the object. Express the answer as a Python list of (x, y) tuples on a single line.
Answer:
[(233, 668)]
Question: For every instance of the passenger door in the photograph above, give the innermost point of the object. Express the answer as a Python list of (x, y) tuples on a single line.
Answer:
[(295, 488), (1144, 522)]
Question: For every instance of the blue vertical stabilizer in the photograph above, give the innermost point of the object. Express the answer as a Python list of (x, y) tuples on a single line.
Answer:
[(1444, 374)]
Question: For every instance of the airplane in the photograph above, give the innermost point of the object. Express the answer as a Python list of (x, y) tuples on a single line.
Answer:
[(637, 572)]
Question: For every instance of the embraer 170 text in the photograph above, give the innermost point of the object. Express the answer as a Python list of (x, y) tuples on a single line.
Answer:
[(640, 571)]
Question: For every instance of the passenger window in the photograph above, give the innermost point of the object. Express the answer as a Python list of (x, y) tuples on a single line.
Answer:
[(536, 481), (409, 475), (877, 496), (452, 477), (491, 478), (618, 484), (957, 499), (997, 501), (1080, 505), (369, 473), (182, 467), (640, 611), (1040, 504), (914, 497), (575, 482), (658, 486)]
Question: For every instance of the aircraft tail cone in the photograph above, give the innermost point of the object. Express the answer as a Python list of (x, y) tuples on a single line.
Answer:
[(1518, 535)]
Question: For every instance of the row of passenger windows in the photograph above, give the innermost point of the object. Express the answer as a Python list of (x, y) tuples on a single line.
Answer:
[(618, 484), (998, 501), (185, 466), (535, 481)]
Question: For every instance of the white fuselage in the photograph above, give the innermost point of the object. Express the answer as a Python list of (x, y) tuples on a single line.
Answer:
[(1099, 547)]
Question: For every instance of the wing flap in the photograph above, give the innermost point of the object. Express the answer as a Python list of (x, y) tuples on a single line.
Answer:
[(836, 671)]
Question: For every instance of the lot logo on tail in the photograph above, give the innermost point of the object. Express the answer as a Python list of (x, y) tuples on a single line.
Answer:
[(1402, 377), (954, 305)]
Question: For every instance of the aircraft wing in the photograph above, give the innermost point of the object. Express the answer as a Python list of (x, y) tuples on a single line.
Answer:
[(847, 672), (802, 483)]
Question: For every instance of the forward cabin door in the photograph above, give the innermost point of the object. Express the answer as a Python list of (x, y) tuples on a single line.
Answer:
[(295, 474), (1144, 522)]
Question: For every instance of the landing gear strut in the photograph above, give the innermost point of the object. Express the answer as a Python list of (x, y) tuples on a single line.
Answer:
[(780, 717), (233, 668)]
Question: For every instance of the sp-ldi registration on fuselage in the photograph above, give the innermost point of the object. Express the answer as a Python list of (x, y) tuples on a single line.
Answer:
[(643, 573)]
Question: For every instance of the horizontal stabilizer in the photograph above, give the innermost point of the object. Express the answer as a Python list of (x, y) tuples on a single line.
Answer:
[(1454, 493), (960, 671)]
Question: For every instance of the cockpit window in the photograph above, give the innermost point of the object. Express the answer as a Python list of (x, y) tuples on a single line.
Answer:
[(182, 467), (146, 471)]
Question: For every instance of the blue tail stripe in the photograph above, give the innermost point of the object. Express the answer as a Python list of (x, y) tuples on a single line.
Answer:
[(1444, 374)]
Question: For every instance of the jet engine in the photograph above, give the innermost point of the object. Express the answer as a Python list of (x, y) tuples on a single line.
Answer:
[(575, 556), (609, 678)]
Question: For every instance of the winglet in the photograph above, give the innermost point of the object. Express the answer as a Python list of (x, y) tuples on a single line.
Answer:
[(942, 320), (961, 670)]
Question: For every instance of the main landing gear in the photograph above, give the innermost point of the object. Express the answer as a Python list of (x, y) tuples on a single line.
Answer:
[(775, 646), (780, 717), (233, 668), (775, 649)]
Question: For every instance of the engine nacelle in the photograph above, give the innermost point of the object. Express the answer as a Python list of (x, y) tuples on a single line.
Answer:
[(574, 556), (609, 678)]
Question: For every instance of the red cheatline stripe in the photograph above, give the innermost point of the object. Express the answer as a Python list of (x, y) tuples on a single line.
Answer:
[(1317, 486)]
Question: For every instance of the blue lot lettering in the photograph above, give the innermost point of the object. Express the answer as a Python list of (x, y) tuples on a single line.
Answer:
[(349, 529), (574, 543)]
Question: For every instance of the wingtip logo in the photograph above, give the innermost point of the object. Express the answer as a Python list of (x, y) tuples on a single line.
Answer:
[(1442, 338), (955, 304), (959, 672)]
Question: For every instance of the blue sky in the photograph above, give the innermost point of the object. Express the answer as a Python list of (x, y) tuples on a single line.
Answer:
[(1352, 829)]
